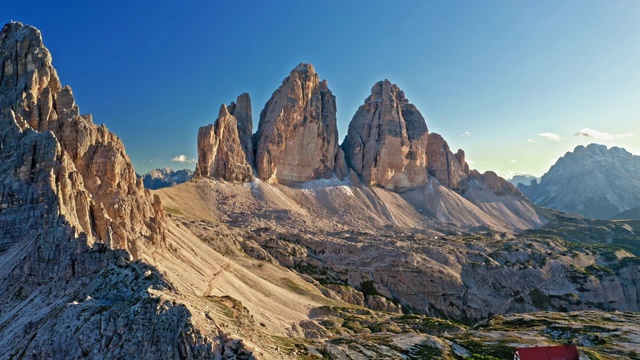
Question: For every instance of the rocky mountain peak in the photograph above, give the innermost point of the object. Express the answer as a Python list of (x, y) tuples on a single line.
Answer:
[(241, 110), (384, 89), (297, 137), (593, 180), (305, 69), (387, 139), (220, 151), (224, 111), (98, 192)]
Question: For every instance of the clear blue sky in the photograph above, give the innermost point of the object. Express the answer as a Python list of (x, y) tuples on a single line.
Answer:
[(490, 76)]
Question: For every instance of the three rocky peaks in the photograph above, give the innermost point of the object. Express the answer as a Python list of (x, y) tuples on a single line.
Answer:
[(387, 145)]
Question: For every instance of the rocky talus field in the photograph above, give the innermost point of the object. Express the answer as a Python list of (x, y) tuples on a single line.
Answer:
[(286, 244)]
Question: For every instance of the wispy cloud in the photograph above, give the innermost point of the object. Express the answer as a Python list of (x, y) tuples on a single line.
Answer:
[(530, 140), (183, 159), (470, 162), (590, 133), (551, 136), (513, 161), (466, 134)]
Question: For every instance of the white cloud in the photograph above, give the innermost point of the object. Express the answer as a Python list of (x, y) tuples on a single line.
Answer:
[(590, 133), (466, 133), (551, 136), (470, 162), (513, 161), (553, 161), (183, 159), (531, 141)]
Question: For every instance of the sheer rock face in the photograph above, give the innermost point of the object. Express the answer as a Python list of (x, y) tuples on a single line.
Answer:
[(93, 176), (449, 169), (220, 151), (297, 138), (72, 217), (387, 140), (241, 110)]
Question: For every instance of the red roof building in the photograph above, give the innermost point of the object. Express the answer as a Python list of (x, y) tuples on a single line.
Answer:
[(561, 352)]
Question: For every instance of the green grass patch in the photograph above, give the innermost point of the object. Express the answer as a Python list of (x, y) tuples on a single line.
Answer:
[(172, 210)]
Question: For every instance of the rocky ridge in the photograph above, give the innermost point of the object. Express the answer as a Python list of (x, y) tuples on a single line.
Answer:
[(448, 168), (159, 178), (525, 179), (74, 223), (593, 181), (220, 151), (92, 175)]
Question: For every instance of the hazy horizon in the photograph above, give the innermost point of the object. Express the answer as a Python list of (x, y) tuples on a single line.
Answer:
[(515, 84)]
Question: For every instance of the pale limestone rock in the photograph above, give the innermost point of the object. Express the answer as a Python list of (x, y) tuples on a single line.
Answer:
[(297, 138), (495, 183), (387, 140), (449, 169), (241, 110), (72, 219), (220, 153), (462, 160), (341, 169)]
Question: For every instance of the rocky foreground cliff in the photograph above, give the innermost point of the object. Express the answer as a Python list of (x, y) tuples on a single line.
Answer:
[(74, 220), (93, 265)]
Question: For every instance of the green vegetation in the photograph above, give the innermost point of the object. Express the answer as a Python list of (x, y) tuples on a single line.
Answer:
[(172, 211), (500, 349), (294, 286), (425, 351), (482, 357), (298, 347)]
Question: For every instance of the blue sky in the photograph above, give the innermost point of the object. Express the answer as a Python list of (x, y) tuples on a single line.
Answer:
[(510, 82)]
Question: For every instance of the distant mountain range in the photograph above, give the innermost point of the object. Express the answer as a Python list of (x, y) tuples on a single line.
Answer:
[(525, 179), (593, 181), (161, 178)]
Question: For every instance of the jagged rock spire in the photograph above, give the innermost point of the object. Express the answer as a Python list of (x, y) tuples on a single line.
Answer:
[(387, 139), (241, 110), (220, 152), (297, 138), (448, 168)]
